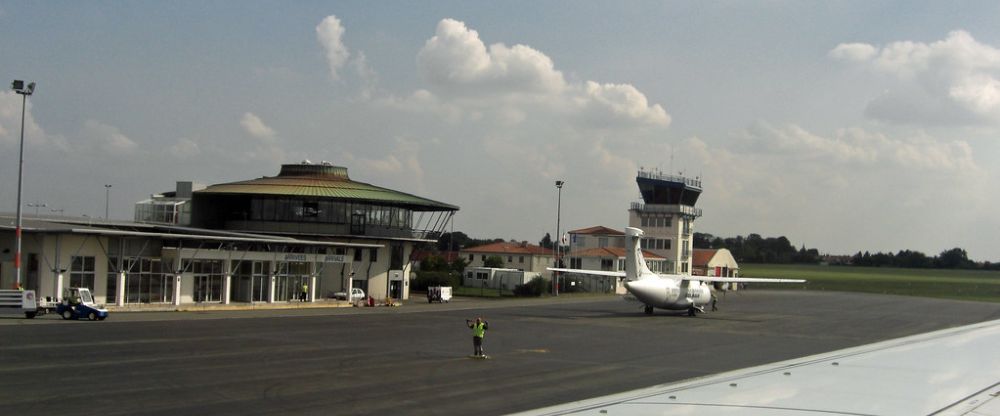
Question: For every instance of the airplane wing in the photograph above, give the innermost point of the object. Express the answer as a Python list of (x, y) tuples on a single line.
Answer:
[(593, 272), (953, 372), (740, 280)]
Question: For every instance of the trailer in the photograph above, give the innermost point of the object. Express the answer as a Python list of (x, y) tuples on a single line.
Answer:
[(497, 278), (439, 293), (19, 302)]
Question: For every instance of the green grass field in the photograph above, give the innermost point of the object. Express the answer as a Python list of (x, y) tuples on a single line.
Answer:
[(936, 283)]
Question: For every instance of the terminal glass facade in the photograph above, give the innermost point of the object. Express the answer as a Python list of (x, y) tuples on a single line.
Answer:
[(207, 280), (250, 281)]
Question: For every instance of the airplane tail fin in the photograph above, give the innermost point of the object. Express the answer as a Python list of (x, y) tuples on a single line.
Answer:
[(635, 264)]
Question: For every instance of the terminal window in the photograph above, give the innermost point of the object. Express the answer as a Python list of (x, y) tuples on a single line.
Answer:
[(82, 272)]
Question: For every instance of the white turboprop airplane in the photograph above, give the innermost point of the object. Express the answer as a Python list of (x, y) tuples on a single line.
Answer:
[(665, 291)]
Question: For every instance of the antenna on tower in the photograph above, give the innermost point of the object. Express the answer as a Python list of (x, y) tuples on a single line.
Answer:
[(671, 168)]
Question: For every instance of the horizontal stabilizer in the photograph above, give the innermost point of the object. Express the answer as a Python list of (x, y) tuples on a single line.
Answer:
[(740, 280), (593, 272)]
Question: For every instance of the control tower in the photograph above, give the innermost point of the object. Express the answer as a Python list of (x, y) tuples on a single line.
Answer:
[(667, 215)]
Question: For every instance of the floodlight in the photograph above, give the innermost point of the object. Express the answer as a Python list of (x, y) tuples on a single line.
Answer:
[(17, 85)]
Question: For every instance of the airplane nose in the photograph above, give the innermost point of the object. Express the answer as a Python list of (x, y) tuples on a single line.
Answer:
[(644, 290)]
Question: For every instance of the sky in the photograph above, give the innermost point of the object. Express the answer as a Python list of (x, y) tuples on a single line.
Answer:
[(844, 126)]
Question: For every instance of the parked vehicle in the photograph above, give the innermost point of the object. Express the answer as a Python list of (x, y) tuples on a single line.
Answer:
[(19, 301), (356, 295), (439, 293), (78, 303)]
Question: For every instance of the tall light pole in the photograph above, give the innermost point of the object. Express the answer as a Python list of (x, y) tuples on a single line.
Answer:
[(555, 275), (107, 199), (19, 87), (37, 205)]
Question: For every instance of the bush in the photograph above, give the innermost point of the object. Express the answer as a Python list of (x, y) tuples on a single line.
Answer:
[(426, 279), (535, 287)]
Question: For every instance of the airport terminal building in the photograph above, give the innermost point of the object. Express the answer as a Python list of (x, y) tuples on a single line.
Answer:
[(302, 235)]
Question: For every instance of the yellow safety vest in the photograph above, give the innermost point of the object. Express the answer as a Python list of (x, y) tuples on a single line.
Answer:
[(479, 330)]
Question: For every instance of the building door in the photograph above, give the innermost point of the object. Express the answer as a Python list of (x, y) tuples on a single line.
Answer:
[(396, 289), (288, 283)]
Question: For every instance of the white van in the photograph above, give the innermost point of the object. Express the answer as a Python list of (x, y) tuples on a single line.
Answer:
[(356, 294)]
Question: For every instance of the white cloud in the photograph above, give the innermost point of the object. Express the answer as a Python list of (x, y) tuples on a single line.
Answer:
[(952, 81), (255, 127), (367, 75), (184, 148), (329, 33), (853, 52), (623, 102), (10, 125), (511, 84), (458, 62), (838, 191), (855, 148), (400, 166), (108, 139)]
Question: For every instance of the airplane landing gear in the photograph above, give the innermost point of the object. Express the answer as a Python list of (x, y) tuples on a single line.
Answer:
[(691, 311), (648, 309)]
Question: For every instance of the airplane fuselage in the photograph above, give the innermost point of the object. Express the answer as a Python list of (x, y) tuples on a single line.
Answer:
[(665, 292)]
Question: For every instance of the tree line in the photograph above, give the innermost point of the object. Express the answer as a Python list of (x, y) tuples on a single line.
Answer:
[(756, 249)]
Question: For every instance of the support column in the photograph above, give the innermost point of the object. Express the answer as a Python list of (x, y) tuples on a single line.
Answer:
[(270, 290), (226, 288), (177, 277), (59, 287), (121, 289), (312, 289), (177, 290)]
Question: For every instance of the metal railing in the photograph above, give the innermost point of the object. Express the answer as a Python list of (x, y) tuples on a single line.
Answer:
[(668, 209), (696, 183)]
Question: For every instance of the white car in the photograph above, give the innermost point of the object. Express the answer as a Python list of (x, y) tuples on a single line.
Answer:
[(356, 294)]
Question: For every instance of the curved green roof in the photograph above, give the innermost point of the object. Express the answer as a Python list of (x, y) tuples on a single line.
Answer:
[(325, 181)]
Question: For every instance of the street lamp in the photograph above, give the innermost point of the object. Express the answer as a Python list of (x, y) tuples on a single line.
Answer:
[(37, 205), (555, 276), (107, 199), (19, 87)]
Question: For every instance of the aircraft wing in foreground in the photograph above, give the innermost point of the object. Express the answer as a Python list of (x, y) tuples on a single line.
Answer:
[(954, 371)]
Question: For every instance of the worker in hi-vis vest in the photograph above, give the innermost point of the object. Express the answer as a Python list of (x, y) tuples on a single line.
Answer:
[(479, 328)]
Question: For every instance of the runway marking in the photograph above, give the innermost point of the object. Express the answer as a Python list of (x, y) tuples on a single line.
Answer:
[(534, 350)]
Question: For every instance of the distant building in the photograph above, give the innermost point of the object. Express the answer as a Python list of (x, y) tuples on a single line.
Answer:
[(715, 263), (609, 259), (171, 208), (595, 237), (515, 255)]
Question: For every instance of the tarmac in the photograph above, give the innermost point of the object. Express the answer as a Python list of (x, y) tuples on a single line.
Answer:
[(413, 359)]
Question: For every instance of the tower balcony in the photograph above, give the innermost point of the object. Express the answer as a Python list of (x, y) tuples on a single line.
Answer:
[(683, 210)]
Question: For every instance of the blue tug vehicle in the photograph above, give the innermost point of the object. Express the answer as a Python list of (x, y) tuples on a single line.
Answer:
[(78, 303)]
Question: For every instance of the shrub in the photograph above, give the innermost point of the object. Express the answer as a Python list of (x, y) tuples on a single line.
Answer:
[(535, 287)]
